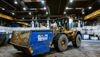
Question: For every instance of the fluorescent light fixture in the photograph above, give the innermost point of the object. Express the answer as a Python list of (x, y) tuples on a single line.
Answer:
[(24, 8), (71, 1), (67, 8), (46, 12), (15, 2), (42, 1), (30, 13), (78, 8), (3, 8), (64, 12), (89, 7), (13, 13), (45, 8)]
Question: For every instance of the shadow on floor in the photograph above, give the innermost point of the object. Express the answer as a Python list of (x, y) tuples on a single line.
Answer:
[(52, 51)]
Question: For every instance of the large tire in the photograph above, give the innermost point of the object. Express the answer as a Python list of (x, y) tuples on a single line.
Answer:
[(1, 41), (77, 41), (61, 42), (98, 38)]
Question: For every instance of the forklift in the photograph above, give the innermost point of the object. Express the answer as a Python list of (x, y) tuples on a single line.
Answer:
[(40, 40)]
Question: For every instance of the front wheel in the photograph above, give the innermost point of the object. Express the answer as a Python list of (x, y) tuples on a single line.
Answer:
[(77, 40), (61, 42)]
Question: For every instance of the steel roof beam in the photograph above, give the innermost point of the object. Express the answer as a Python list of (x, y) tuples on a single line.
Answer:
[(33, 0)]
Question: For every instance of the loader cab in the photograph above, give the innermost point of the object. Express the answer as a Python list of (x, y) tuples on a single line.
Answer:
[(64, 22)]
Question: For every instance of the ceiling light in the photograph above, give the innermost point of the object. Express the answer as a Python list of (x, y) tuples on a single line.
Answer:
[(71, 1), (24, 8), (45, 8), (67, 8), (15, 2), (46, 12), (89, 7), (78, 8), (13, 13), (42, 2), (64, 12), (30, 13), (23, 18), (83, 12), (3, 8)]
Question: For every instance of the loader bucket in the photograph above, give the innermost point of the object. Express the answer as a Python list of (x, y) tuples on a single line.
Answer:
[(32, 42), (20, 40)]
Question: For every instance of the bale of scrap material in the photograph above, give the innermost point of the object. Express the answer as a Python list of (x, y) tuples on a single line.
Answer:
[(20, 38)]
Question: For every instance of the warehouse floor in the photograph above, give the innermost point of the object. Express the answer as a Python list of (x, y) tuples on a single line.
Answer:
[(89, 48)]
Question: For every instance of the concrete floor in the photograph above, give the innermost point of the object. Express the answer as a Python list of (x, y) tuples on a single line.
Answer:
[(89, 48)]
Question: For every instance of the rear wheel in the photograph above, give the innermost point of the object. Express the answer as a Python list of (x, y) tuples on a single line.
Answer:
[(98, 38), (0, 41), (61, 42), (77, 40)]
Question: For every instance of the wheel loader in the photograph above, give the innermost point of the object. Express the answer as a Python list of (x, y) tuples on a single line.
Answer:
[(40, 40)]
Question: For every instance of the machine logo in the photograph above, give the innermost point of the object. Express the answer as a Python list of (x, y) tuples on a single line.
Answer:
[(42, 37)]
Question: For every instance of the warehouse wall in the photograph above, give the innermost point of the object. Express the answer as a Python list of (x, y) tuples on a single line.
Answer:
[(98, 21), (93, 26)]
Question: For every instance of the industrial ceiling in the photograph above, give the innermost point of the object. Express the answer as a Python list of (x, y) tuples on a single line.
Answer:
[(26, 9)]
